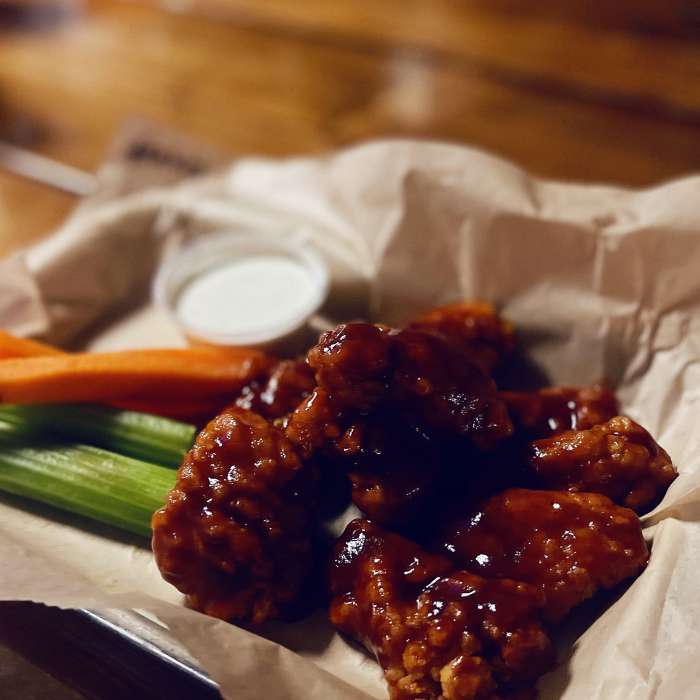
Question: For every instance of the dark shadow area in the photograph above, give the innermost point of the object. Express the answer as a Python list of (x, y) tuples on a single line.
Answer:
[(520, 372), (565, 637), (119, 313), (311, 635), (92, 659), (18, 129), (335, 490), (19, 15)]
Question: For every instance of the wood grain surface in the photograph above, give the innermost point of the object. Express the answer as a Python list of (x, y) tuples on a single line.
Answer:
[(574, 92)]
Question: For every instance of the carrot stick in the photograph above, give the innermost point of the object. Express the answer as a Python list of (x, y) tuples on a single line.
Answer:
[(11, 346), (160, 375)]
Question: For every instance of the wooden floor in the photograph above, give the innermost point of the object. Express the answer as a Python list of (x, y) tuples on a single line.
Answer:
[(569, 90), (579, 90)]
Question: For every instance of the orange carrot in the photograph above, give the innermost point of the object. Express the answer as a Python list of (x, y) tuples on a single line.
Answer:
[(11, 346), (148, 375)]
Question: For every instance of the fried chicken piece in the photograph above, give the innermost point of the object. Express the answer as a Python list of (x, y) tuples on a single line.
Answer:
[(425, 379), (487, 337), (394, 471), (353, 362), (234, 534), (438, 634), (350, 363), (280, 392), (619, 459), (567, 544), (438, 389), (384, 403), (550, 411)]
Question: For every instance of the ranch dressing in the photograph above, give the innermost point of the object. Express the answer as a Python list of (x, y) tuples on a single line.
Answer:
[(243, 288), (247, 295)]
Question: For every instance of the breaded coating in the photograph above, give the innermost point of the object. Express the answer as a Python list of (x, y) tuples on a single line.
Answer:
[(487, 338), (550, 411), (438, 389), (280, 392), (423, 379), (438, 634), (567, 544), (385, 404), (619, 459), (235, 532), (537, 415), (394, 471), (353, 362)]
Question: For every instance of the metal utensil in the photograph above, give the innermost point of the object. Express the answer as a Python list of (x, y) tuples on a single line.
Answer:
[(47, 171)]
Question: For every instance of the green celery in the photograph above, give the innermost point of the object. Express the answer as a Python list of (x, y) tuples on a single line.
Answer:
[(84, 480), (139, 435)]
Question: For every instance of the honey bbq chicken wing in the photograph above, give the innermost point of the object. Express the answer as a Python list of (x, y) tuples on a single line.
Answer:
[(618, 459), (350, 365), (438, 389), (438, 634), (276, 395), (567, 544), (385, 403), (554, 410), (486, 337), (394, 471), (426, 380), (235, 532)]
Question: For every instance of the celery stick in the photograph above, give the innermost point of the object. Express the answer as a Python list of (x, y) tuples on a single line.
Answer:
[(85, 480), (139, 435)]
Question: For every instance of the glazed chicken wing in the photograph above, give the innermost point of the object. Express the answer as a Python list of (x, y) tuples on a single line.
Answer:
[(234, 534), (567, 544), (350, 365), (437, 388), (554, 410), (385, 403), (438, 634), (280, 392), (487, 338), (425, 379), (619, 459), (394, 471)]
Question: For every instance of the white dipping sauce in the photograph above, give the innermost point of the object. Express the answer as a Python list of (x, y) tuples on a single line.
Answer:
[(247, 295)]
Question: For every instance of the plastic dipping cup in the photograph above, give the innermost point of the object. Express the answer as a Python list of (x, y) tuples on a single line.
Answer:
[(243, 289)]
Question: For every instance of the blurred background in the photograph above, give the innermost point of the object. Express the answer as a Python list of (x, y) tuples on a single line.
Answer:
[(583, 90)]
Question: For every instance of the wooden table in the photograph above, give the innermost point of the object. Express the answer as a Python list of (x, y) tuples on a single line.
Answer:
[(585, 93), (577, 90)]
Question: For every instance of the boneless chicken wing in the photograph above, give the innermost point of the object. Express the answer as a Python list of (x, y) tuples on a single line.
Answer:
[(438, 634), (385, 403), (554, 410), (276, 395), (438, 388), (350, 363), (486, 337), (234, 534), (394, 471), (567, 544), (427, 380), (619, 459)]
